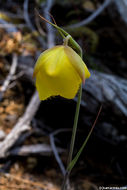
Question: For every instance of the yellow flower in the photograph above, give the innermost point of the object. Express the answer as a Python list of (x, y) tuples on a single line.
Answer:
[(59, 71)]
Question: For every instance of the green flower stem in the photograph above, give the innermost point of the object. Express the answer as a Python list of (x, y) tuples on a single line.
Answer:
[(75, 125), (73, 138)]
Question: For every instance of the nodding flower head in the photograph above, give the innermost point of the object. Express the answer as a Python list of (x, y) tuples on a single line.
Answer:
[(59, 71)]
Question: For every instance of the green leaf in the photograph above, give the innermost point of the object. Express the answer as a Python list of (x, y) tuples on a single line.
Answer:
[(73, 162)]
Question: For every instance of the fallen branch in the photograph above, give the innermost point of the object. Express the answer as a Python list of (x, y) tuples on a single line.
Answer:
[(21, 126), (107, 88), (37, 149)]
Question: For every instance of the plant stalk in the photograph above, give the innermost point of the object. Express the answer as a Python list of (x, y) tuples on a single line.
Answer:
[(66, 177)]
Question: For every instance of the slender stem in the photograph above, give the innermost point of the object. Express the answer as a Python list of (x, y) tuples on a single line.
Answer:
[(75, 125), (73, 137)]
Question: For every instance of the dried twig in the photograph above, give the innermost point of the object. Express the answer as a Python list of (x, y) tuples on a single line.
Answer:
[(9, 27), (36, 149), (50, 31), (10, 75), (55, 151), (30, 25), (26, 15), (37, 21), (21, 126), (92, 16)]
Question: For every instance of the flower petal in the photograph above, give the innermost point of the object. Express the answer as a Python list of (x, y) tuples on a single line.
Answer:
[(77, 63), (61, 80), (46, 55)]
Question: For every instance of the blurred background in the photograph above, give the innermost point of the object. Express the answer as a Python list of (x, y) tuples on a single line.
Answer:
[(34, 135)]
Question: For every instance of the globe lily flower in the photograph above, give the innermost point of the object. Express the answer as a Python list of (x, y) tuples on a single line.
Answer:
[(59, 71)]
